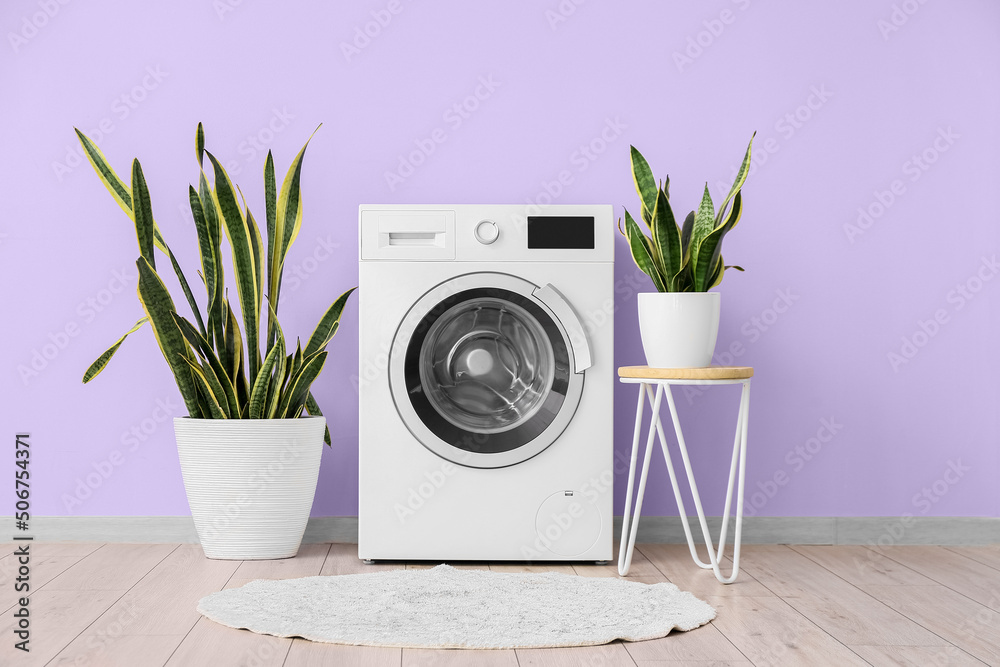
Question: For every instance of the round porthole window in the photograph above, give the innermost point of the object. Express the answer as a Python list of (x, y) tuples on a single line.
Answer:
[(485, 377)]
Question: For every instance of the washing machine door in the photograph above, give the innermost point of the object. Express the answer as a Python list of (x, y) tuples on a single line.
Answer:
[(487, 369)]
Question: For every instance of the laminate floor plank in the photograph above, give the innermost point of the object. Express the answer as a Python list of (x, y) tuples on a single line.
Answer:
[(307, 563), (112, 567), (160, 608), (343, 559), (694, 663), (422, 565), (916, 656), (641, 567), (970, 626), (304, 653), (768, 631), (960, 573), (845, 611), (701, 643), (606, 655), (165, 601), (675, 562), (532, 567), (704, 643), (110, 650), (210, 643), (986, 555), (56, 619), (46, 561), (862, 566), (458, 658)]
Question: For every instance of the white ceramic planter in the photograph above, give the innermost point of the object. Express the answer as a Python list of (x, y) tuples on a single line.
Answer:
[(250, 482), (679, 329)]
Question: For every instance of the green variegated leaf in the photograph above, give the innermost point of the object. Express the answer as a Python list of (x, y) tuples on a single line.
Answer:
[(102, 361), (213, 227), (256, 247), (199, 144), (704, 223), (273, 363), (205, 250), (270, 212), (717, 272), (312, 407), (684, 280), (192, 304), (294, 399), (287, 221), (119, 191), (211, 399), (666, 238), (328, 325), (159, 307), (278, 374), (686, 235), (645, 184), (642, 252), (710, 250), (227, 397), (735, 213), (289, 213), (142, 213), (234, 343), (244, 270), (216, 384), (741, 177)]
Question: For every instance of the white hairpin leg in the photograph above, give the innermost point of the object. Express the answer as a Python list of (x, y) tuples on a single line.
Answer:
[(627, 543), (738, 462), (737, 465)]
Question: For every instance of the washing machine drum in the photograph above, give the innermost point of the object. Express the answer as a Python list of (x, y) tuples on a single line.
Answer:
[(488, 377)]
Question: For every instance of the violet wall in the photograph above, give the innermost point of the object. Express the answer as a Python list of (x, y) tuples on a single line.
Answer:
[(869, 305)]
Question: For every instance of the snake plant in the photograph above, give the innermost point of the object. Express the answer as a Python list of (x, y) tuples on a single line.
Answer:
[(685, 258), (218, 367)]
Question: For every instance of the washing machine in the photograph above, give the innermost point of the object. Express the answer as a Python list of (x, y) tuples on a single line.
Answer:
[(485, 382)]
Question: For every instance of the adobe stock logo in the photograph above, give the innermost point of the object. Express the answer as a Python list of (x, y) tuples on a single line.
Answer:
[(914, 169), (30, 25), (455, 116), (899, 17), (703, 40), (87, 311), (363, 36), (122, 106), (958, 297)]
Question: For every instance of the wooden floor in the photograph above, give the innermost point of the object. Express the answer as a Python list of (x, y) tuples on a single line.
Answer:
[(134, 605)]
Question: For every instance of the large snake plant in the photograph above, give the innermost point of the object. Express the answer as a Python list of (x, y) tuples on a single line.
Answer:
[(686, 258), (221, 374)]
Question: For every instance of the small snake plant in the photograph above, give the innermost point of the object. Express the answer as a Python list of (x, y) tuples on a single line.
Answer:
[(686, 258), (221, 374)]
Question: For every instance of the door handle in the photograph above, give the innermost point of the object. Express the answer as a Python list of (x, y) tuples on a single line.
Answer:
[(579, 344)]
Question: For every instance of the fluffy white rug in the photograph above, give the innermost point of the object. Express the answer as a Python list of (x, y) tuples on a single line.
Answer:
[(448, 608)]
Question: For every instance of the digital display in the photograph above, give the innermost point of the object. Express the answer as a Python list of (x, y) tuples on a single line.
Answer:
[(560, 232)]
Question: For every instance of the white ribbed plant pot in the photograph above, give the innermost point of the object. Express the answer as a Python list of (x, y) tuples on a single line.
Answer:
[(679, 329), (250, 482)]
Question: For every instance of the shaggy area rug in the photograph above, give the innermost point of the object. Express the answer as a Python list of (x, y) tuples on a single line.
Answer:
[(448, 608)]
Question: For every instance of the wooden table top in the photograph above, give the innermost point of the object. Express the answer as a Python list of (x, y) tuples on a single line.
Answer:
[(707, 373)]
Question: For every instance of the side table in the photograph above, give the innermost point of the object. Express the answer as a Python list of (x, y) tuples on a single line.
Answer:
[(662, 379)]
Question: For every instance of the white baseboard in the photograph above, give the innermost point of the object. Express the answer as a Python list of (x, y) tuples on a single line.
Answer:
[(954, 531)]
